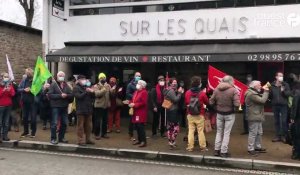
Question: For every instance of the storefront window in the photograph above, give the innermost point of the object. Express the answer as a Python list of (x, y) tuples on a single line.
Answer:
[(106, 11), (83, 2), (225, 3), (245, 3), (123, 10), (83, 12), (265, 2), (138, 9), (206, 5), (286, 1)]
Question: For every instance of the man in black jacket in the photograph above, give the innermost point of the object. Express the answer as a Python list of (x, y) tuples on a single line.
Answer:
[(60, 95), (28, 108), (295, 118), (84, 108), (157, 99), (280, 91)]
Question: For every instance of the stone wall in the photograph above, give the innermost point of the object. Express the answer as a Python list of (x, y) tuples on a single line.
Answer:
[(22, 44)]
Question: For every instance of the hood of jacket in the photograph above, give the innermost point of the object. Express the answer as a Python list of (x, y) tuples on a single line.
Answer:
[(224, 86)]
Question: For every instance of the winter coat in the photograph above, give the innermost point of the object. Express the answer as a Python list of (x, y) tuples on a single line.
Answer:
[(102, 99), (140, 109), (84, 100), (279, 97), (225, 98), (115, 99), (295, 110), (154, 100), (6, 96), (54, 94), (172, 113), (131, 88), (255, 102), (26, 97), (203, 100)]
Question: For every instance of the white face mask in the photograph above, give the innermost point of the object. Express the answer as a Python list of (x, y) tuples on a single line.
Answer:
[(61, 79), (161, 83), (138, 87), (280, 79), (83, 82), (5, 80)]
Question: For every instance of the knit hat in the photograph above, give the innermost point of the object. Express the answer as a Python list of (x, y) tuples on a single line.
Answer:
[(101, 75), (160, 78), (142, 83)]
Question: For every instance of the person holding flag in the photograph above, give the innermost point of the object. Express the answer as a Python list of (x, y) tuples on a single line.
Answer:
[(27, 100), (60, 95)]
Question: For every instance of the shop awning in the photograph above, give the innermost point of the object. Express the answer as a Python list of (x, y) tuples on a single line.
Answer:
[(258, 52)]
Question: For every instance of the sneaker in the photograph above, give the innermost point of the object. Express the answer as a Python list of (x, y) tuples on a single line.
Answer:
[(97, 137), (217, 153), (53, 142), (189, 149), (253, 153), (203, 149), (143, 144), (225, 155), (63, 141), (261, 150), (24, 135), (32, 136)]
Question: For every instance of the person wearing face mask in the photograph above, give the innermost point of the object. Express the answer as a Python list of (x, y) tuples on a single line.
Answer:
[(173, 93), (84, 96), (6, 94), (114, 110), (28, 108), (255, 101), (157, 99), (279, 94), (60, 95), (139, 103), (131, 88), (102, 103), (245, 122)]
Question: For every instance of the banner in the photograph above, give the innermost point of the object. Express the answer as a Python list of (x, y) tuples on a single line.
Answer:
[(215, 76), (10, 72)]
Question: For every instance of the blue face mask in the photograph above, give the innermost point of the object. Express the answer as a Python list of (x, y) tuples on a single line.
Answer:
[(137, 79), (88, 84)]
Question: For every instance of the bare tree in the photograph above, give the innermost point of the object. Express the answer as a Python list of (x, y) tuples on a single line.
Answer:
[(28, 6)]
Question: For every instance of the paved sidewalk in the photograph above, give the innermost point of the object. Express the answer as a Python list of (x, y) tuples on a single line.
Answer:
[(238, 144)]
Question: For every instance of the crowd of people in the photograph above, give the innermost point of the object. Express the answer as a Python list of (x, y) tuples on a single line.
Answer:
[(96, 109)]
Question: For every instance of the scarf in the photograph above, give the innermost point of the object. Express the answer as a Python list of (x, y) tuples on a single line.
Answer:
[(159, 96), (195, 89)]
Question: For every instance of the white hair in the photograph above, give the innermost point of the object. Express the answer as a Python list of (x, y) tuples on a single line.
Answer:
[(142, 83), (254, 83), (61, 73), (228, 79)]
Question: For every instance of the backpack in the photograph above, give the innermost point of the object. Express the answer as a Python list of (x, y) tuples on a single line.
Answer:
[(194, 105)]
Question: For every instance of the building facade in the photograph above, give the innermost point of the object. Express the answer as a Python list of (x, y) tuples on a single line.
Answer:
[(182, 37), (22, 45)]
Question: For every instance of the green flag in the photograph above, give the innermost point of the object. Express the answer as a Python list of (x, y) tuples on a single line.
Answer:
[(41, 74)]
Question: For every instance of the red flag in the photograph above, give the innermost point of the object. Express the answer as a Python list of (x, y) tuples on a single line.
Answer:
[(215, 76)]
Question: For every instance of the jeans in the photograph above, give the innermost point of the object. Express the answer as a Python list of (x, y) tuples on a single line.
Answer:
[(159, 121), (62, 115), (255, 134), (84, 126), (196, 122), (29, 111), (140, 128), (280, 117), (4, 120), (101, 119), (224, 126)]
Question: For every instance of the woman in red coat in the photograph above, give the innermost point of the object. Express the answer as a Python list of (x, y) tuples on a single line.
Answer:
[(6, 93), (139, 118)]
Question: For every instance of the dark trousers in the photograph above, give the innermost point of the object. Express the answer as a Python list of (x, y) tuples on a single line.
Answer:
[(159, 121), (29, 110), (59, 114), (140, 128), (280, 117), (245, 121), (45, 114), (4, 120), (100, 121), (84, 126), (296, 139)]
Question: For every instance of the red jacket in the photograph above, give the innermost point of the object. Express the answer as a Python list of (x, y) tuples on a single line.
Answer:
[(140, 109), (203, 100), (6, 96)]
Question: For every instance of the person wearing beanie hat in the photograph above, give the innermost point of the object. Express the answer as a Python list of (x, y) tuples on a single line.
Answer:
[(101, 105), (157, 99), (84, 97), (139, 103), (116, 104)]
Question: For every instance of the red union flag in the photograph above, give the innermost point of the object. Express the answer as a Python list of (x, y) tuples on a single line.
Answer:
[(215, 76)]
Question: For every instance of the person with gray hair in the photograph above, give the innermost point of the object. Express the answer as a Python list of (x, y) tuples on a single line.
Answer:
[(225, 99), (255, 101)]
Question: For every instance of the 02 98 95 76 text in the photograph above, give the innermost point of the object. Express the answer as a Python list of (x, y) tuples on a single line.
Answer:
[(274, 57)]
